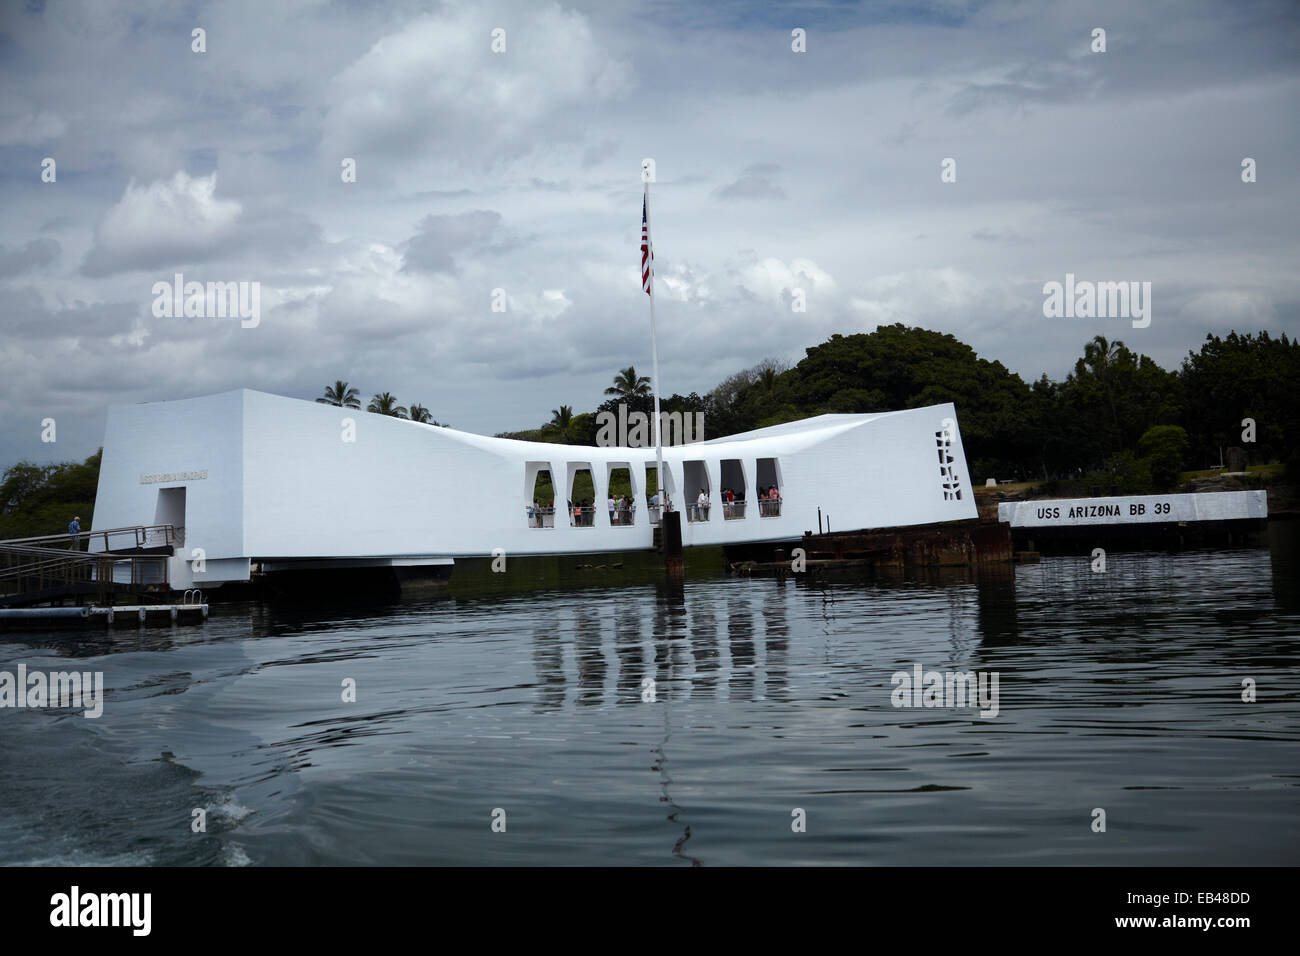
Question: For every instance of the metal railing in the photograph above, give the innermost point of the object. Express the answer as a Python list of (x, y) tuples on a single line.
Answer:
[(656, 511), (623, 516), (27, 570), (733, 510), (543, 516), (113, 539), (540, 516), (65, 563)]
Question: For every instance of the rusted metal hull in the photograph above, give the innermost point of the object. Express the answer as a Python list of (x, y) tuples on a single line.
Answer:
[(947, 544)]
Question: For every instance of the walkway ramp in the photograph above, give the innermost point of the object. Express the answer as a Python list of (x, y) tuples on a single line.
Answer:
[(98, 564)]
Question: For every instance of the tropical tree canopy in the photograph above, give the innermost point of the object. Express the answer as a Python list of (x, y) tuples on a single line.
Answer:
[(627, 384), (340, 395), (1165, 448), (385, 404), (42, 499), (419, 413), (1238, 377), (562, 420)]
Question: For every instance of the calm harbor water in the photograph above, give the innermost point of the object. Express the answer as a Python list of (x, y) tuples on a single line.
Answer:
[(526, 692)]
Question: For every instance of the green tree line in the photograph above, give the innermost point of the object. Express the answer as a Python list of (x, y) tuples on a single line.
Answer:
[(343, 395), (1117, 421), (1117, 415), (42, 499)]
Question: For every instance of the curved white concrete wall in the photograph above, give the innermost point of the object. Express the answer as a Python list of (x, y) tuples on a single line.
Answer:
[(282, 482)]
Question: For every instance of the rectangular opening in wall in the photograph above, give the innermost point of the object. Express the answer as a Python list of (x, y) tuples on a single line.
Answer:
[(652, 490), (732, 492), (699, 496), (769, 488), (170, 510), (581, 501), (621, 497), (539, 495)]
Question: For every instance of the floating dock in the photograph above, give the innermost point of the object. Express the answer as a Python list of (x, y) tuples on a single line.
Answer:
[(122, 614)]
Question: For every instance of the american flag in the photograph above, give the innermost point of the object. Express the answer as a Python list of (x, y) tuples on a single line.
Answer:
[(647, 252)]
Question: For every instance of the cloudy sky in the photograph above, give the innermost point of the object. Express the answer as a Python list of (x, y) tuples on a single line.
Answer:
[(519, 170)]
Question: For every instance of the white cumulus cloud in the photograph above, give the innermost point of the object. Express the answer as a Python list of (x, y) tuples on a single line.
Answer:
[(162, 223), (436, 85)]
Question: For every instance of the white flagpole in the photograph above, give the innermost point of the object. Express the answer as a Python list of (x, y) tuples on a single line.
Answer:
[(654, 360)]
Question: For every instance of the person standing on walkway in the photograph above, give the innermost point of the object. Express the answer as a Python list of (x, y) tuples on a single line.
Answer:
[(74, 533)]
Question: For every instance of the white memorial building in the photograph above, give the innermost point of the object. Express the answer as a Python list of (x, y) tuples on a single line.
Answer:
[(250, 478)]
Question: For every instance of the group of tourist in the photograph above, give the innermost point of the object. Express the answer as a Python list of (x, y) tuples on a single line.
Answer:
[(769, 504), (622, 509), (584, 514)]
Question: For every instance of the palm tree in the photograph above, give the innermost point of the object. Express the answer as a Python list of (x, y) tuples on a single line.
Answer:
[(418, 413), (340, 395), (628, 385), (562, 419), (1103, 359), (386, 404)]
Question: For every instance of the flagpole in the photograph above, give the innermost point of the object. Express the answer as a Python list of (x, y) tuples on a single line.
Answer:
[(654, 360)]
